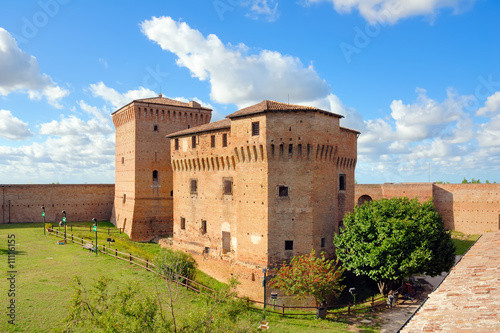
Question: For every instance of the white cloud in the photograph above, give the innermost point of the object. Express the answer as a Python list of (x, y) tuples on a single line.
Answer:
[(13, 128), (21, 71), (492, 105), (73, 126), (116, 99), (391, 11), (236, 75), (262, 8)]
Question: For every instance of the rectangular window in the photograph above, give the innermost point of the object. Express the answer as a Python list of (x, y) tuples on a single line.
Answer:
[(176, 144), (194, 186), (290, 151), (203, 228), (288, 245), (155, 128), (255, 128), (281, 151), (183, 223), (212, 141), (299, 150), (342, 184), (308, 151), (224, 140), (283, 191), (272, 151), (228, 186), (193, 141), (323, 242)]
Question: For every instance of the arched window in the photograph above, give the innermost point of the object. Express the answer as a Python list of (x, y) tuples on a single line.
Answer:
[(155, 176)]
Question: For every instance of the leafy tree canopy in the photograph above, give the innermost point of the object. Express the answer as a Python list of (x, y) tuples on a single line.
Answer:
[(309, 275), (390, 239)]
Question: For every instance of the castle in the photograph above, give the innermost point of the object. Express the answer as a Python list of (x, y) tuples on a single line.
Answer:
[(270, 181)]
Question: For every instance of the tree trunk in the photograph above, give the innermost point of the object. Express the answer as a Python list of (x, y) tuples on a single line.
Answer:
[(381, 287)]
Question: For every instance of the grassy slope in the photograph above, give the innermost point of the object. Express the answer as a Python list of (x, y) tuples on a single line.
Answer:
[(44, 283), (463, 242)]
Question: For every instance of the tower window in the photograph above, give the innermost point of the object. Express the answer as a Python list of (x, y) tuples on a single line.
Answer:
[(342, 185), (203, 228), (155, 128), (283, 191), (288, 245), (124, 198), (155, 176), (212, 141), (193, 141), (224, 140), (290, 151), (194, 186), (176, 144), (255, 128), (228, 186), (323, 242), (123, 160), (183, 223)]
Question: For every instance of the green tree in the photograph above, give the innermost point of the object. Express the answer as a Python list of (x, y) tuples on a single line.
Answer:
[(175, 264), (310, 275), (390, 239)]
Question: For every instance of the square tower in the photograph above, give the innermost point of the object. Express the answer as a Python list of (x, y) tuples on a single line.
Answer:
[(143, 174)]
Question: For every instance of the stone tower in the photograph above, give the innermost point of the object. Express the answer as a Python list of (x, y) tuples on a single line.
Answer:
[(143, 172)]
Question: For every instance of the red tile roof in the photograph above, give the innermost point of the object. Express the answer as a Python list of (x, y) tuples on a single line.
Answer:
[(162, 101), (216, 125), (272, 106)]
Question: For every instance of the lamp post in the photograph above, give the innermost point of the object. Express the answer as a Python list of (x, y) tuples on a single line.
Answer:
[(64, 221), (95, 229), (264, 285), (43, 214)]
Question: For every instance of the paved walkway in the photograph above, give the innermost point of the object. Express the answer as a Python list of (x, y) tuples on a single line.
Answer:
[(468, 300)]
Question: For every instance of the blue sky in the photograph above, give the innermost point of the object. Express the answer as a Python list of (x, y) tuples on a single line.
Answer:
[(419, 79)]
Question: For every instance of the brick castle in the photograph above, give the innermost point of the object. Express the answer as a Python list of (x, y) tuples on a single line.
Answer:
[(268, 182)]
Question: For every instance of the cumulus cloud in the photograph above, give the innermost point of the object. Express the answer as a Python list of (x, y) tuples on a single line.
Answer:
[(21, 71), (235, 74), (491, 106), (391, 11), (117, 99), (13, 128)]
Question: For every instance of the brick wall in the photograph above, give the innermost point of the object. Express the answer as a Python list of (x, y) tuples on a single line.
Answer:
[(468, 208), (21, 203)]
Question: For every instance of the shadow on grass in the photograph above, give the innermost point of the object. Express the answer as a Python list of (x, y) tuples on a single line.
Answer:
[(6, 252)]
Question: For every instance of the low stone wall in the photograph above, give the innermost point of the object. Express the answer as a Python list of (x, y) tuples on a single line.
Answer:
[(21, 203)]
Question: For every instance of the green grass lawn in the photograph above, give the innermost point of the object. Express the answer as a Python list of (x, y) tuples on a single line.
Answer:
[(45, 283), (462, 241)]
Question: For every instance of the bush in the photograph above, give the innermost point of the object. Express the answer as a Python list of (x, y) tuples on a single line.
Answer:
[(172, 263)]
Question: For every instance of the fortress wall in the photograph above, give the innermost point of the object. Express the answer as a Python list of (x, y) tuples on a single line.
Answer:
[(21, 203), (468, 208)]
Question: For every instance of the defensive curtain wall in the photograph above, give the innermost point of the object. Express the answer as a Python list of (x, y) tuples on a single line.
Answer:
[(468, 208), (21, 203)]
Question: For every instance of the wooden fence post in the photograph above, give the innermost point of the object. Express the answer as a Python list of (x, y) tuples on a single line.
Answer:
[(349, 309), (147, 263), (71, 237), (82, 240), (104, 248), (116, 253), (130, 257), (283, 309)]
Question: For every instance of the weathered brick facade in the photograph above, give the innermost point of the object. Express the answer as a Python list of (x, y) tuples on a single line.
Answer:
[(277, 186), (143, 172), (468, 208)]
